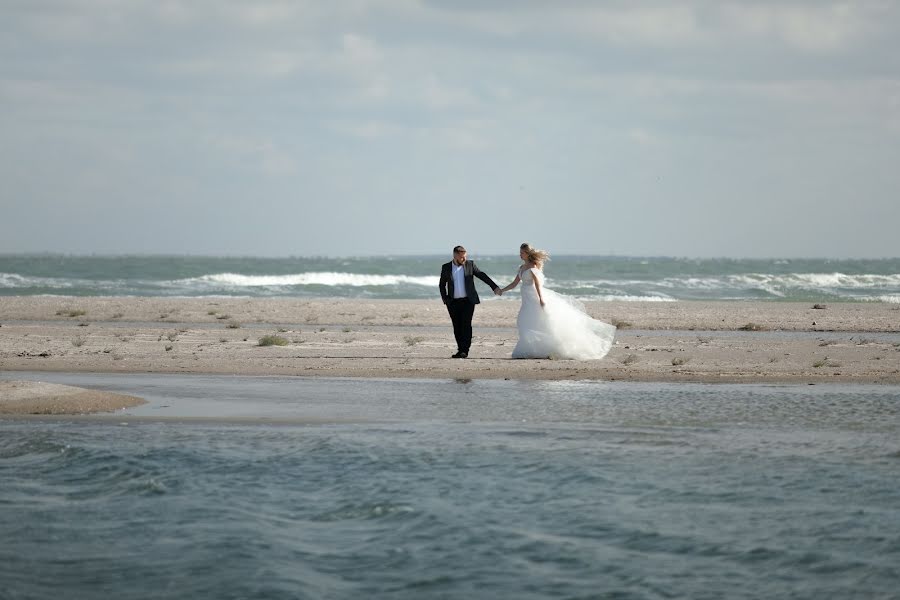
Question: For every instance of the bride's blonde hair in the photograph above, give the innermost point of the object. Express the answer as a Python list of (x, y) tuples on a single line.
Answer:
[(538, 257)]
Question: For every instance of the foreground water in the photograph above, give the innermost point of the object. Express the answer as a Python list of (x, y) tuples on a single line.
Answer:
[(587, 277), (299, 488)]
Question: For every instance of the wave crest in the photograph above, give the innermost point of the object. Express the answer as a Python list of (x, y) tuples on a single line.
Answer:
[(314, 278), (14, 280)]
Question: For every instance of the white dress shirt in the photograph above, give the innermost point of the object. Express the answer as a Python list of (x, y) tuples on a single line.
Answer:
[(459, 281)]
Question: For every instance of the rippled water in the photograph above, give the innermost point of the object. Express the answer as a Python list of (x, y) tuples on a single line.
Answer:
[(456, 489)]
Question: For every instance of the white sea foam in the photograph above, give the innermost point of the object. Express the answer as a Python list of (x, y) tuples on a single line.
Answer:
[(14, 280), (356, 282), (626, 298), (819, 281), (697, 283), (11, 280), (515, 295), (323, 278)]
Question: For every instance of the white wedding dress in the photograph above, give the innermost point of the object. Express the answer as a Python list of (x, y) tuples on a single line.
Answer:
[(561, 329)]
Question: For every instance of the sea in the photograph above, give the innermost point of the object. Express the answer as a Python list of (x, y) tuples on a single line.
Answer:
[(271, 488), (226, 487), (662, 279)]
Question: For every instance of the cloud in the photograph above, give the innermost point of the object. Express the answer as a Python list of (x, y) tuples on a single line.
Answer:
[(439, 95), (360, 51), (363, 101), (807, 27), (820, 27), (264, 13), (661, 25)]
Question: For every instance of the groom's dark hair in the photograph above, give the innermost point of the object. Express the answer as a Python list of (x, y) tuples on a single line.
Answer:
[(458, 249)]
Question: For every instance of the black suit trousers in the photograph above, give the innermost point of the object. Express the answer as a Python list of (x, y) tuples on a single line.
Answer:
[(461, 312)]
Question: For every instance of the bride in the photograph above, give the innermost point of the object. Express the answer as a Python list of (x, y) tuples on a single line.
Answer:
[(552, 325)]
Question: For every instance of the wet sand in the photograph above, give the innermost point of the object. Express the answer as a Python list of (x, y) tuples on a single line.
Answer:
[(40, 398)]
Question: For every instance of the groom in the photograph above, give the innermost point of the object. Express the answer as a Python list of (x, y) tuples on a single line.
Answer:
[(457, 285)]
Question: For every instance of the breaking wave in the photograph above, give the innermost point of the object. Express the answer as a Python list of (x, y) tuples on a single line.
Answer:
[(603, 279), (326, 278)]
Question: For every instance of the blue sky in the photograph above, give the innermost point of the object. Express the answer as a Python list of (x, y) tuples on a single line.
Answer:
[(388, 127)]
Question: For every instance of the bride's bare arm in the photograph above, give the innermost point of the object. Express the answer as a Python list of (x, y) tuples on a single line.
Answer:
[(512, 285), (537, 287)]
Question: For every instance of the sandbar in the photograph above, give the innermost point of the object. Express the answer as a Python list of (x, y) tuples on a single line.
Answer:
[(707, 342), (40, 398)]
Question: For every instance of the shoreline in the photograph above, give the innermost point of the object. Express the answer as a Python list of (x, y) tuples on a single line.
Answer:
[(276, 400), (696, 341)]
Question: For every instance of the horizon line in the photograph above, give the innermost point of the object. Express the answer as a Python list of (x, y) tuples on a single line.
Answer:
[(425, 255)]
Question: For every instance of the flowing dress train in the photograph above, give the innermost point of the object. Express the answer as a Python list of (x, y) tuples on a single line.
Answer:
[(561, 329)]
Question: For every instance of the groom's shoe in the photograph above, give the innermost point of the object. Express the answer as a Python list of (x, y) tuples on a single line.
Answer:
[(460, 355)]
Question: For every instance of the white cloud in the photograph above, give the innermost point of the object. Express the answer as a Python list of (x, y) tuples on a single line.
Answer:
[(360, 61), (264, 13), (808, 27), (237, 95), (439, 95), (631, 24), (817, 26), (360, 51)]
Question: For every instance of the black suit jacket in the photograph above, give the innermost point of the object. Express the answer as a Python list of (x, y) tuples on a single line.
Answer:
[(471, 271)]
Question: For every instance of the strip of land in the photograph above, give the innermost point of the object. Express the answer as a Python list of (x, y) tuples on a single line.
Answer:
[(758, 342), (39, 398)]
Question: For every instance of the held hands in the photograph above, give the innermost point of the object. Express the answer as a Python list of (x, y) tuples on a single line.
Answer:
[(498, 292)]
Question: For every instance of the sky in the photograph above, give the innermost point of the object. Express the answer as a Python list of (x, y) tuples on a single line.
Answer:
[(363, 127)]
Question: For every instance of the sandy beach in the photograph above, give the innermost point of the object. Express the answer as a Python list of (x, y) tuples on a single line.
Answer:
[(677, 341)]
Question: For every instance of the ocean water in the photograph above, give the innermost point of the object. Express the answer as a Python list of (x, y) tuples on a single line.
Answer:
[(586, 277), (336, 488)]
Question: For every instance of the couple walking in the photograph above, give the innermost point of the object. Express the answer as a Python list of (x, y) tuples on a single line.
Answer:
[(550, 325)]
